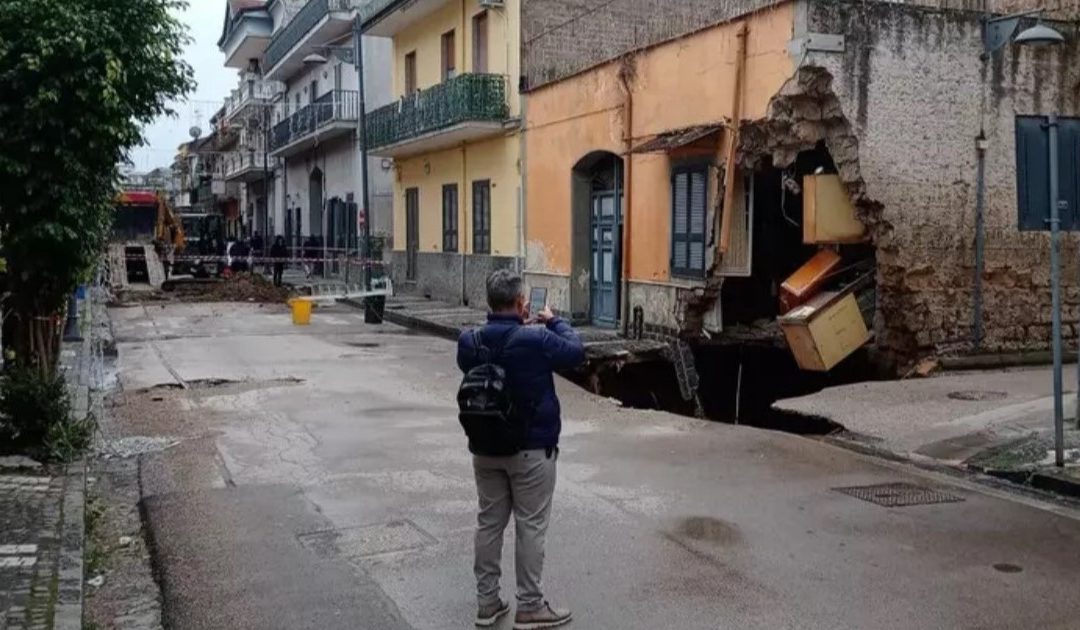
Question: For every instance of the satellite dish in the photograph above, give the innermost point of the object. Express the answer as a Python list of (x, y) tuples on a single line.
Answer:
[(194, 132)]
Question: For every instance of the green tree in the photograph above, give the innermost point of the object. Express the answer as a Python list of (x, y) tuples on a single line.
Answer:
[(79, 79)]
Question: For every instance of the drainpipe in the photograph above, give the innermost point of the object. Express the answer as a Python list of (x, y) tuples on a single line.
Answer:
[(523, 179), (624, 215), (729, 167), (980, 238), (463, 245), (464, 173)]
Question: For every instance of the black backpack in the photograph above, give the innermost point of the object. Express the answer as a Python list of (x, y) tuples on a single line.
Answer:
[(486, 407)]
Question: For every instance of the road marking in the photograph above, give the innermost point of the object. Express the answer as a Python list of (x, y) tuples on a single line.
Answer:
[(14, 550)]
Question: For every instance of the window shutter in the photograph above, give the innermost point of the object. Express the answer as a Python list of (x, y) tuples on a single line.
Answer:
[(696, 235), (679, 222), (1033, 172)]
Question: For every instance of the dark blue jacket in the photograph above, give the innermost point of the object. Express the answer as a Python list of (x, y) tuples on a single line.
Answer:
[(530, 356)]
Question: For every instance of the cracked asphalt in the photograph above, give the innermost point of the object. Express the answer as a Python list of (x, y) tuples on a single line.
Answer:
[(320, 480)]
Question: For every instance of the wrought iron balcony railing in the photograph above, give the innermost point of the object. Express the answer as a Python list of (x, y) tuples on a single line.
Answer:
[(240, 161), (465, 98), (335, 106), (257, 91), (290, 35)]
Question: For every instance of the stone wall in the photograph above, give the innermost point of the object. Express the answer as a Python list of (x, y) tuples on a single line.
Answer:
[(561, 37), (439, 275), (911, 86)]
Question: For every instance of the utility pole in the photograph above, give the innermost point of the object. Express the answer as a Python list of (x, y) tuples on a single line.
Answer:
[(361, 139)]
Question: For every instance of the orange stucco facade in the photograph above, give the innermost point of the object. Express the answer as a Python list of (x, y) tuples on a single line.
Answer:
[(681, 83)]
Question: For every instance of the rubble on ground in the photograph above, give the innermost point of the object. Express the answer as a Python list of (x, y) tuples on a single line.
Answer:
[(244, 287)]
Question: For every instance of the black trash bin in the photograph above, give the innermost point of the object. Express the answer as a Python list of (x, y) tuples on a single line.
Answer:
[(374, 307)]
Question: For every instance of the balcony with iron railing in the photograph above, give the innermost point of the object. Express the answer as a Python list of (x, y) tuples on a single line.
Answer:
[(247, 165), (254, 92), (331, 115), (465, 108), (317, 23)]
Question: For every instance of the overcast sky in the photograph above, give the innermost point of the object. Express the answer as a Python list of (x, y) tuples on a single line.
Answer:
[(204, 20)]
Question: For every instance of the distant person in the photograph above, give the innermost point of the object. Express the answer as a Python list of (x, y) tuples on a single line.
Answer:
[(221, 250), (257, 248), (239, 255), (279, 252), (311, 252), (513, 433)]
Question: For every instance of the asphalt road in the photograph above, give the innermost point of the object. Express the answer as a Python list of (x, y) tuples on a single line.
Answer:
[(330, 488)]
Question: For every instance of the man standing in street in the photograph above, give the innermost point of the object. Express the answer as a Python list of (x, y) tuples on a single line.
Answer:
[(523, 482)]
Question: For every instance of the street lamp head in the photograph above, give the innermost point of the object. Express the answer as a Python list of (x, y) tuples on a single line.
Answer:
[(1039, 35), (315, 59)]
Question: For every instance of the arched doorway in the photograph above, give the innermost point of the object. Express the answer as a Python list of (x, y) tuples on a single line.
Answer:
[(597, 238), (315, 202)]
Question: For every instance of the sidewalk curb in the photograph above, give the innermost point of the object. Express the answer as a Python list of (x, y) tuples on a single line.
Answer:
[(396, 317), (1040, 486), (1051, 481), (69, 584)]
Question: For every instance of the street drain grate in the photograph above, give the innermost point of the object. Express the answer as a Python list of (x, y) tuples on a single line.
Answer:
[(977, 394), (368, 540), (899, 494)]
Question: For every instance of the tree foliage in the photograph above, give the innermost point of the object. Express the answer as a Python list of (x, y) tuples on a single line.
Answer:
[(78, 80)]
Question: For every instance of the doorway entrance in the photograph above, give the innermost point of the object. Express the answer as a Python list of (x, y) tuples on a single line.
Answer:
[(604, 281), (315, 202), (596, 275)]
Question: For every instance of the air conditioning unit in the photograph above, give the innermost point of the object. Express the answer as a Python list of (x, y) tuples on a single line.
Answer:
[(493, 4)]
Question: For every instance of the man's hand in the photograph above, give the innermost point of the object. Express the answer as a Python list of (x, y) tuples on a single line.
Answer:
[(545, 315)]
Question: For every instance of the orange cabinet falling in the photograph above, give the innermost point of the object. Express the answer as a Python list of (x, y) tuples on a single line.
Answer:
[(828, 214)]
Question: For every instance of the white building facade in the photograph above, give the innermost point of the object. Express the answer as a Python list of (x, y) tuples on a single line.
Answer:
[(298, 104)]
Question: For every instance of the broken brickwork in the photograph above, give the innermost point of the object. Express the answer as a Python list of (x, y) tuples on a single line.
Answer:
[(899, 110)]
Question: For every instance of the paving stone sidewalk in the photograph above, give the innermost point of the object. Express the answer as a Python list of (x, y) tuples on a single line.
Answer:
[(31, 511)]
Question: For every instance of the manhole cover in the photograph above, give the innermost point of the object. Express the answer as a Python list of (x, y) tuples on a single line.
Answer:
[(899, 494), (368, 540), (977, 394)]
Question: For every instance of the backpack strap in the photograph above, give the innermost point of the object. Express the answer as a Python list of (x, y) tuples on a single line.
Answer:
[(483, 354)]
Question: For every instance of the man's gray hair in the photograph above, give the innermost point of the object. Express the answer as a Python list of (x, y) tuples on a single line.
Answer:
[(503, 289)]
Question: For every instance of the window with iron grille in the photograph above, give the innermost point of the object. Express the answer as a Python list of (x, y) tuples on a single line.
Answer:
[(450, 218), (689, 203), (481, 200)]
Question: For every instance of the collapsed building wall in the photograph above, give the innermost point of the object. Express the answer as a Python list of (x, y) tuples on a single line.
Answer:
[(912, 88)]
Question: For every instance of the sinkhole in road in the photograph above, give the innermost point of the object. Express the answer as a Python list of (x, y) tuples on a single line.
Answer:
[(737, 385)]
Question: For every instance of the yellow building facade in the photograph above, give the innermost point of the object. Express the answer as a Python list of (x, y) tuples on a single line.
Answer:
[(453, 135)]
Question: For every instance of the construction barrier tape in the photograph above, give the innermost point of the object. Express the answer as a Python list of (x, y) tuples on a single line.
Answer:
[(261, 260)]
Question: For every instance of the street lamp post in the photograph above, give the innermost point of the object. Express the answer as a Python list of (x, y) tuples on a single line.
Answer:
[(996, 33)]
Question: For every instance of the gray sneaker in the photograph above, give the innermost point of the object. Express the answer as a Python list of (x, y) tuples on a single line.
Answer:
[(543, 617), (487, 616)]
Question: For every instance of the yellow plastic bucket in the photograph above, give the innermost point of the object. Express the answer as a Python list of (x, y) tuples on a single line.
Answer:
[(301, 312)]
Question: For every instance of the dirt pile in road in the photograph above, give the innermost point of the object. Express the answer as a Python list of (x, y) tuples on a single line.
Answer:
[(243, 287)]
